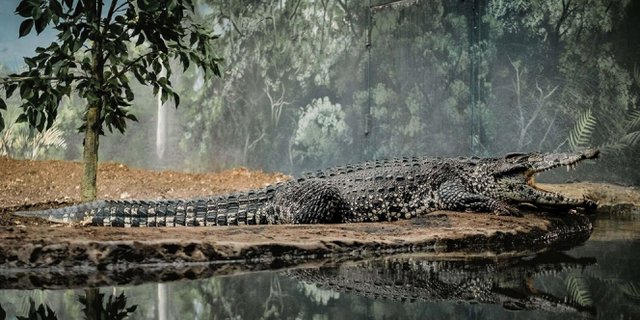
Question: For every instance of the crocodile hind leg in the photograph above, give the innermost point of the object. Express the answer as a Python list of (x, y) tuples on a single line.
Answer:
[(309, 201), (454, 197)]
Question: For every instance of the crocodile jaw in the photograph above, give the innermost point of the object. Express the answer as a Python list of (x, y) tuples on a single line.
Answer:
[(532, 194), (568, 161), (545, 162)]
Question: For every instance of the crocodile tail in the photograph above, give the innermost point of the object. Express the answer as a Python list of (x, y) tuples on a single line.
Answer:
[(75, 213), (247, 207)]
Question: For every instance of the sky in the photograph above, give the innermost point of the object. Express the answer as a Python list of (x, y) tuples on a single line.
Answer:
[(12, 48)]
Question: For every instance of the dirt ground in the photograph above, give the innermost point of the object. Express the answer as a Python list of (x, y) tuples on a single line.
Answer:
[(26, 184)]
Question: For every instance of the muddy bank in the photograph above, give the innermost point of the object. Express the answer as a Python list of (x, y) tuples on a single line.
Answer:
[(108, 256)]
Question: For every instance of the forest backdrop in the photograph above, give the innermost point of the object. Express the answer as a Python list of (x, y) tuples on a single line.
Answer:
[(309, 84)]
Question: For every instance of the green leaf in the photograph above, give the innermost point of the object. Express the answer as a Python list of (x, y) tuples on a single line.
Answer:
[(176, 98), (79, 9), (39, 122), (136, 73), (634, 120), (10, 89), (66, 35), (21, 118), (131, 117), (26, 92), (171, 4), (24, 8), (41, 23), (579, 292), (30, 62), (157, 67), (77, 45), (128, 93), (56, 7), (631, 290), (581, 134), (631, 138), (192, 6), (37, 11), (164, 96), (184, 59), (140, 39), (3, 314), (25, 27)]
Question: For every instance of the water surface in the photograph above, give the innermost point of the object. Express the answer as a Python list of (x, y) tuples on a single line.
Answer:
[(597, 279)]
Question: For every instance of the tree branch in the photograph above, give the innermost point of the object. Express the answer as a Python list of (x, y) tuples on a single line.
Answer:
[(121, 6), (133, 62), (233, 23), (4, 81), (295, 10), (107, 20), (566, 12), (112, 9), (348, 16)]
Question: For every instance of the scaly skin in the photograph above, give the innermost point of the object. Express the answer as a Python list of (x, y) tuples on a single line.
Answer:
[(507, 283), (370, 191)]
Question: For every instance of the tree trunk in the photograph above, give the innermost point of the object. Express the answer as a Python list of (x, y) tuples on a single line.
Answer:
[(90, 154), (93, 124), (94, 303)]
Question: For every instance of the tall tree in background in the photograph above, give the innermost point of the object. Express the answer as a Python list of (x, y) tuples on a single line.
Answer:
[(92, 57)]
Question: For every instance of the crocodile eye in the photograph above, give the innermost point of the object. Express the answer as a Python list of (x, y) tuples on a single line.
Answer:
[(514, 155), (506, 169)]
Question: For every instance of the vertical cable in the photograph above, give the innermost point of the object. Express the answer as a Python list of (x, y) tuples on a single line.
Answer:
[(473, 74), (367, 112)]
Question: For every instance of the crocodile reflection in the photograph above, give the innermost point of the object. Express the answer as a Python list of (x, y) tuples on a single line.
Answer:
[(507, 283)]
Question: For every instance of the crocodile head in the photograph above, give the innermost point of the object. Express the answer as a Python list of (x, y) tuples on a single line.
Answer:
[(515, 178)]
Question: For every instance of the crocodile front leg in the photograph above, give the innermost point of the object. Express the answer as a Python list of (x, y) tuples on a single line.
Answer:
[(453, 196)]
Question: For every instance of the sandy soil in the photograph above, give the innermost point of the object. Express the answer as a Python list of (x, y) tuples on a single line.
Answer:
[(26, 184)]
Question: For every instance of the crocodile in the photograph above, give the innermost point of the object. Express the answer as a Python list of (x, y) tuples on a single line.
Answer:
[(382, 190), (508, 283)]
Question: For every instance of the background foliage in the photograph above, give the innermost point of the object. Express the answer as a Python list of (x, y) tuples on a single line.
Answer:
[(309, 84)]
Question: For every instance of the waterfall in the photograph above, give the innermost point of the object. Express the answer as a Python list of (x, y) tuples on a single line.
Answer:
[(161, 130)]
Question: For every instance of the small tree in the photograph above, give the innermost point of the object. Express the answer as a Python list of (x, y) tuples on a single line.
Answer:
[(92, 57)]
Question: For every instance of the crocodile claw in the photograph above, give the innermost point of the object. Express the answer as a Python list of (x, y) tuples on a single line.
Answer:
[(506, 210), (590, 205)]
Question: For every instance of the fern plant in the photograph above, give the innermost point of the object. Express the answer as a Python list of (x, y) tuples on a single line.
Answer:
[(633, 123), (579, 291), (631, 290), (632, 128), (19, 141), (42, 312), (580, 136), (630, 137)]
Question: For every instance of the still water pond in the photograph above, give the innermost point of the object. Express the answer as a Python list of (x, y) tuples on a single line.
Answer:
[(598, 279)]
